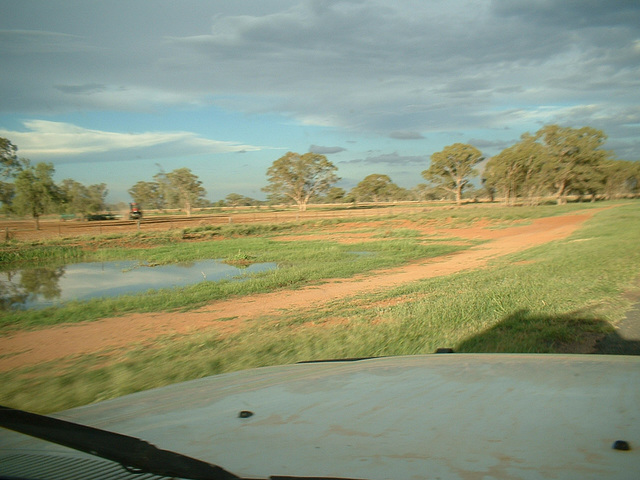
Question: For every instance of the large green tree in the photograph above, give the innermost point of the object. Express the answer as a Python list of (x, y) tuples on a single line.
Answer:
[(10, 165), (148, 195), (80, 199), (300, 178), (36, 192), (177, 189), (185, 189), (236, 200), (375, 188), (517, 171), (621, 178), (570, 154), (453, 167)]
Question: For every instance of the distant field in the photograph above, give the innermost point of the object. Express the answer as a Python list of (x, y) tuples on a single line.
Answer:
[(476, 279)]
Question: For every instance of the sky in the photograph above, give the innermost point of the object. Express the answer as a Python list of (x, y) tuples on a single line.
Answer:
[(116, 91)]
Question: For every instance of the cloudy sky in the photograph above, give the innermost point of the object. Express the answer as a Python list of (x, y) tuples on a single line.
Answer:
[(114, 91)]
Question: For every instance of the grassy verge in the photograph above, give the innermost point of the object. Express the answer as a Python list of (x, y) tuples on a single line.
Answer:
[(554, 298)]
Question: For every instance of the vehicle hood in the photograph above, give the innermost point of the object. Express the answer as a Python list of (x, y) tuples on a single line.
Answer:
[(453, 416)]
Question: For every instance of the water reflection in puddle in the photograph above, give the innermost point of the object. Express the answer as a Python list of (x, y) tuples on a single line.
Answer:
[(45, 286)]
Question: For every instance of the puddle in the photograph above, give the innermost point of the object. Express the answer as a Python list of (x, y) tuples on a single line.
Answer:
[(46, 286)]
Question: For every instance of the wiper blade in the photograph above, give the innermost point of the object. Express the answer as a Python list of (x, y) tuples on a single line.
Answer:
[(130, 452)]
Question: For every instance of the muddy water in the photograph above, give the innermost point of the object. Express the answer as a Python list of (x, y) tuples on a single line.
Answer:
[(45, 286)]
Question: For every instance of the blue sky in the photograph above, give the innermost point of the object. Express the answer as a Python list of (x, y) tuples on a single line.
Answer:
[(114, 91)]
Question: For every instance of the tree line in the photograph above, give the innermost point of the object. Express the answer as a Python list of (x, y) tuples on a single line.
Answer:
[(28, 189), (555, 161)]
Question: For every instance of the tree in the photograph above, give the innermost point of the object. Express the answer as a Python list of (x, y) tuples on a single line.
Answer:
[(74, 196), (185, 189), (300, 177), (517, 171), (335, 195), (375, 188), (424, 192), (236, 200), (9, 163), (148, 195), (77, 198), (452, 168), (570, 154), (7, 194), (36, 193), (621, 178), (97, 195)]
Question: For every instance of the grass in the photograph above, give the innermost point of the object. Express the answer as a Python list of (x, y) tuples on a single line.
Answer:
[(557, 297), (299, 263)]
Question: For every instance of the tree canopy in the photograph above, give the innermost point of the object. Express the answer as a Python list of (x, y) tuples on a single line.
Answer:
[(376, 188), (78, 198), (180, 188), (36, 193), (518, 170), (556, 160), (147, 194), (300, 177), (9, 162), (453, 167), (570, 153)]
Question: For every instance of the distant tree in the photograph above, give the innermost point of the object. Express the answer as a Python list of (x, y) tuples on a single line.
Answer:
[(77, 198), (7, 194), (36, 193), (334, 195), (424, 192), (570, 153), (148, 195), (374, 188), (517, 171), (236, 200), (10, 165), (621, 178), (300, 177), (185, 189), (97, 195), (74, 197), (453, 167)]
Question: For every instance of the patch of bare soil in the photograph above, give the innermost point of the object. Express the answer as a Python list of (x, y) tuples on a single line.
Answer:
[(229, 316)]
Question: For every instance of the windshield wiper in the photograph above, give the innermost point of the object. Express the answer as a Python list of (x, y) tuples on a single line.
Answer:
[(132, 453)]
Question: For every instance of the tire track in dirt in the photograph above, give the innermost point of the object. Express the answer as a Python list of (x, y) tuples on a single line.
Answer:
[(27, 348)]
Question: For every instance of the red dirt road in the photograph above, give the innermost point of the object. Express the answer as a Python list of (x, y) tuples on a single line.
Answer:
[(227, 316)]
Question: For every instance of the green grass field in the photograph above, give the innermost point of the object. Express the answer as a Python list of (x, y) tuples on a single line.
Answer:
[(558, 297)]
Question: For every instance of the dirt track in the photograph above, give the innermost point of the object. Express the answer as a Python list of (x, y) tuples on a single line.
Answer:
[(227, 316)]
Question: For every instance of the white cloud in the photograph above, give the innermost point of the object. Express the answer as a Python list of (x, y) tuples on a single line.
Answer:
[(46, 140)]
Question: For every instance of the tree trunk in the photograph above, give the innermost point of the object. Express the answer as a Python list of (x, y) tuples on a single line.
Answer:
[(560, 194)]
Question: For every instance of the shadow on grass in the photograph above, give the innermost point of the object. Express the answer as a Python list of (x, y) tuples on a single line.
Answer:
[(575, 332)]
